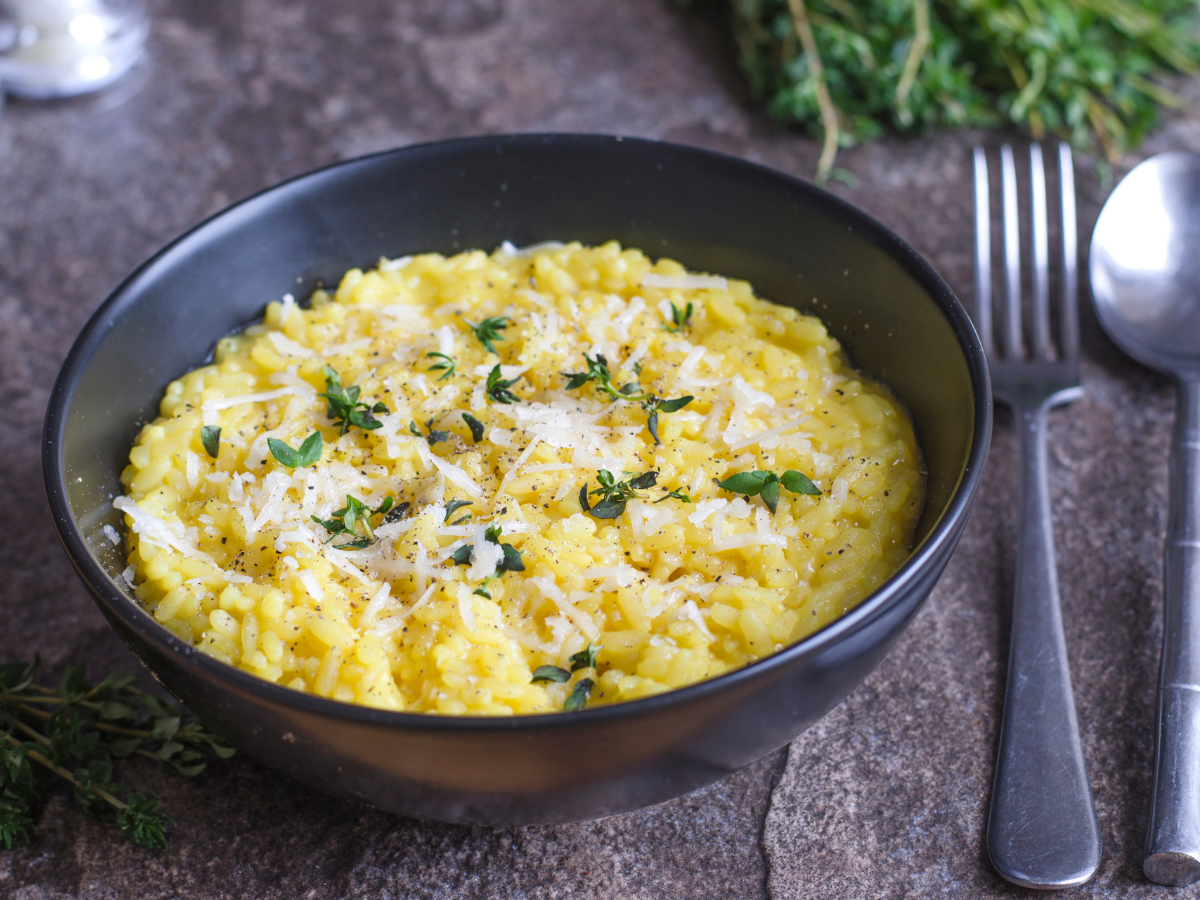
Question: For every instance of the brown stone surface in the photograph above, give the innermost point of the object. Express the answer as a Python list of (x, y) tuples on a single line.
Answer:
[(887, 796)]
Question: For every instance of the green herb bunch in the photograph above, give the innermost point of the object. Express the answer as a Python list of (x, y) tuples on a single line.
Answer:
[(1091, 71), (74, 732)]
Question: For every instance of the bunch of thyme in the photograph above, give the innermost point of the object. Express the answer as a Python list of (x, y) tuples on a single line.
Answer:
[(74, 732), (1092, 71)]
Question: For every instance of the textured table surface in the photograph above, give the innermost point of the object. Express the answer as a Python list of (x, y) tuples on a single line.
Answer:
[(887, 796)]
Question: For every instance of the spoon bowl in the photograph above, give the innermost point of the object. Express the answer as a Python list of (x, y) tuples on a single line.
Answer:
[(1145, 263), (1145, 275)]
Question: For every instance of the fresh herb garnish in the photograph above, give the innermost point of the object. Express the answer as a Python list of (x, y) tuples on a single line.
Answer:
[(446, 363), (614, 494), (597, 373), (307, 454), (397, 512), (452, 507), (1096, 73), (345, 409), (579, 697), (767, 485), (434, 436), (550, 673), (76, 731), (585, 659), (680, 317), (510, 562), (210, 438), (497, 389), (475, 425), (677, 494), (655, 406), (354, 519), (489, 330)]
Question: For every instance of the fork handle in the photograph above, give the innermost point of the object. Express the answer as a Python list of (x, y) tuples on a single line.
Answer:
[(1042, 830), (1173, 837)]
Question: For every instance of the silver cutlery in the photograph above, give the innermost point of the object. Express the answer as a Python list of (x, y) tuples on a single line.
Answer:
[(1145, 275), (1042, 828)]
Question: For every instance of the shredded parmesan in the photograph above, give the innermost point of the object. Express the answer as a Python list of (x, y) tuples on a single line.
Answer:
[(684, 282)]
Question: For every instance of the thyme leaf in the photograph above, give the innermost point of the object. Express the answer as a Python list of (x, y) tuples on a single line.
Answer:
[(550, 673), (452, 507), (210, 438), (434, 436), (307, 453), (489, 330), (585, 659), (579, 697), (475, 425)]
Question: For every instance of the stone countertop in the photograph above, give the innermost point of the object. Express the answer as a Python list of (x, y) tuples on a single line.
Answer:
[(887, 796)]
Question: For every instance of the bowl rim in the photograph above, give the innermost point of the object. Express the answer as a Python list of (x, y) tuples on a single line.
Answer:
[(105, 590)]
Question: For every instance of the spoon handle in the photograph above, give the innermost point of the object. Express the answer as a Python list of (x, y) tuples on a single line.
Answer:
[(1173, 837), (1042, 830)]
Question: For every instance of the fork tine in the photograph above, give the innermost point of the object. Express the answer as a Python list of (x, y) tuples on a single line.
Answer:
[(1012, 255), (1041, 254), (983, 253), (1069, 321)]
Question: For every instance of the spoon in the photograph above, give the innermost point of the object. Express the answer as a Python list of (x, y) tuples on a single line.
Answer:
[(1145, 274)]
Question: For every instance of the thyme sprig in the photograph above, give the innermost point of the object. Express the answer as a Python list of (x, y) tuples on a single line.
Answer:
[(497, 388), (1094, 72), (675, 494), (434, 436), (681, 317), (345, 409), (614, 495), (489, 330), (584, 659), (354, 520), (510, 562), (597, 373), (766, 485), (446, 362), (74, 732)]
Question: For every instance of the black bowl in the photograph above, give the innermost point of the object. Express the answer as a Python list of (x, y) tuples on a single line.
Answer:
[(796, 244)]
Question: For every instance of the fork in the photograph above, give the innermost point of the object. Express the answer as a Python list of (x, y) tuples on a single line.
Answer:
[(1042, 828)]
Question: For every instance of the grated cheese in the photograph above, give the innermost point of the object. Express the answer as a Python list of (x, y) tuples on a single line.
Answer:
[(684, 282)]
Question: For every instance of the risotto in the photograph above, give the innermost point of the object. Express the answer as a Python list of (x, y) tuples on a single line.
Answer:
[(521, 482)]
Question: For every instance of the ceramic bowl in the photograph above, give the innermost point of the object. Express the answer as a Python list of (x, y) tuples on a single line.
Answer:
[(795, 243)]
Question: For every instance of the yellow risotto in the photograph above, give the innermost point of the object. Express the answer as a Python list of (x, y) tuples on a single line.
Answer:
[(518, 483)]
